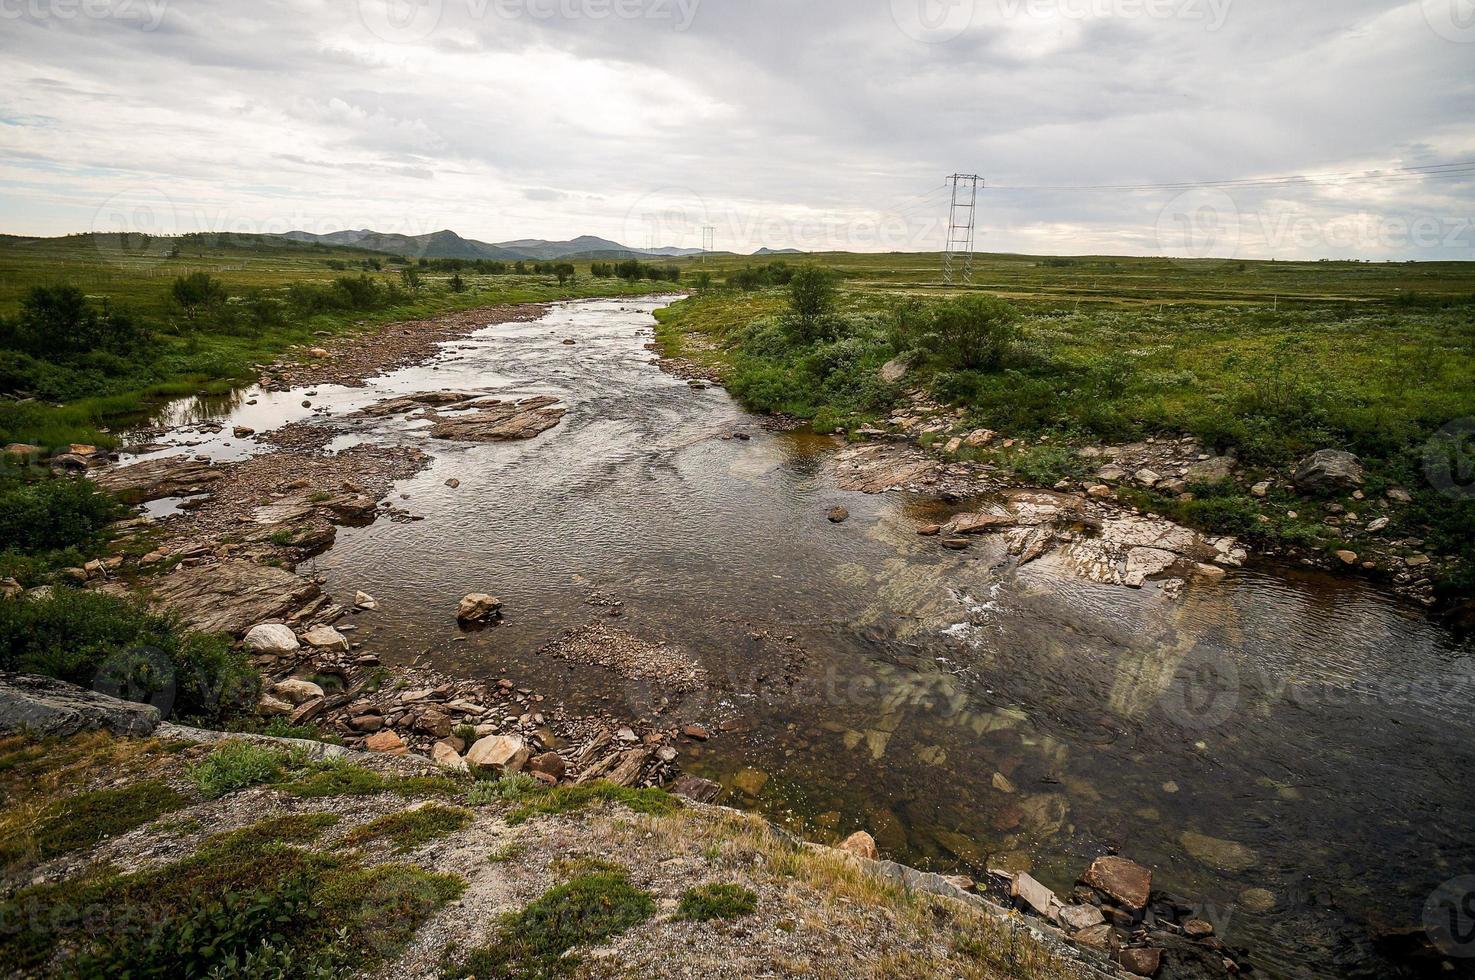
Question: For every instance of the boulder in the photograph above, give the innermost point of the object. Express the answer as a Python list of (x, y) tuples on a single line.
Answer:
[(862, 845), (326, 638), (695, 788), (478, 608), (1078, 918), (1102, 937), (839, 515), (270, 707), (365, 601), (297, 692), (1148, 478), (1123, 881), (272, 638), (895, 370), (500, 754), (172, 476), (1023, 888), (445, 755), (550, 764), (1141, 962), (1329, 470), (387, 743), (1219, 469), (43, 706)]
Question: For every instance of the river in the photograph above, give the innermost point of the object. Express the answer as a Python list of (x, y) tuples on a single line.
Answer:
[(1288, 750)]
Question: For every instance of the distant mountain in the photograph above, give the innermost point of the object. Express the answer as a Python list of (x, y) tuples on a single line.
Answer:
[(437, 245), (780, 251), (449, 245)]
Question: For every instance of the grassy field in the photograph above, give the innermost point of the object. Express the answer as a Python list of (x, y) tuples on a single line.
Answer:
[(262, 278), (1269, 361)]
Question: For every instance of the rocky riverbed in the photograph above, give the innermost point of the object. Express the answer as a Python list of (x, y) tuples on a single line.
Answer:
[(983, 678)]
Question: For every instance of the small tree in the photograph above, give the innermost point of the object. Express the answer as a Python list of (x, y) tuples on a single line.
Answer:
[(811, 295), (975, 331), (458, 285), (411, 278), (565, 273), (197, 293)]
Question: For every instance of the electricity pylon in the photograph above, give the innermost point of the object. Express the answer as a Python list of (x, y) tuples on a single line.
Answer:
[(957, 254)]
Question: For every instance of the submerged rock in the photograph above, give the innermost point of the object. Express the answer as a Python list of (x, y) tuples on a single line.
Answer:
[(1125, 882), (1221, 855)]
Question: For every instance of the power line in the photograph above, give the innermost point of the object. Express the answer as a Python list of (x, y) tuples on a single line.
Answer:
[(962, 220)]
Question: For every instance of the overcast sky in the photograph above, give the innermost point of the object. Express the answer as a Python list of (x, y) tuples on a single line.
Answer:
[(787, 123)]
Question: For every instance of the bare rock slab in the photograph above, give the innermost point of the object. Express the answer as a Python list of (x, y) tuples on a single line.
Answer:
[(231, 598), (172, 476), (49, 707), (1123, 881)]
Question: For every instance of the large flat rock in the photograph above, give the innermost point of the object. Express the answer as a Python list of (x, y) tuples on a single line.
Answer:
[(48, 707), (172, 476), (233, 597)]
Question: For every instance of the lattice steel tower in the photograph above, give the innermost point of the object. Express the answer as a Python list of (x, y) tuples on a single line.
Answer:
[(957, 255)]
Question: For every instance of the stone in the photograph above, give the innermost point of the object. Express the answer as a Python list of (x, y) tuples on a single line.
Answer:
[(43, 706), (500, 754), (270, 707), (1261, 489), (695, 788), (1381, 524), (697, 732), (1197, 929), (549, 763), (233, 597), (386, 743), (296, 692), (497, 421), (839, 515), (434, 723), (1258, 900), (1123, 881), (1416, 561), (862, 845), (272, 638), (1148, 478), (1024, 888), (1078, 918), (478, 608), (1141, 962), (22, 449), (750, 781), (1002, 783), (1329, 470), (1400, 496), (1221, 855), (979, 438), (367, 723), (894, 370), (1217, 469), (1347, 557), (363, 600), (1111, 473), (453, 483), (326, 638), (446, 756), (957, 544), (155, 479), (1102, 937), (243, 431)]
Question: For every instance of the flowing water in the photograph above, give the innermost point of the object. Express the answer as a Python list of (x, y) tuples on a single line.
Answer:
[(1288, 750)]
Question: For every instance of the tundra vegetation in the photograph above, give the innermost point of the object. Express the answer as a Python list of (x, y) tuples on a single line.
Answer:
[(1267, 361)]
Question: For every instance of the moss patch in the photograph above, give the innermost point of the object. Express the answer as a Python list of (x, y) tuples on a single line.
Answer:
[(570, 799), (707, 902), (411, 828), (83, 820), (536, 941)]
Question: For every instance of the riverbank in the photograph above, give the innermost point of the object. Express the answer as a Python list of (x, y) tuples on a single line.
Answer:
[(1295, 495)]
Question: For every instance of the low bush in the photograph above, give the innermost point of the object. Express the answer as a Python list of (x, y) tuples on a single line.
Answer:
[(707, 902), (237, 765)]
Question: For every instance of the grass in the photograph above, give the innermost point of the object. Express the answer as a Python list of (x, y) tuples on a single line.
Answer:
[(513, 787), (707, 902), (83, 820), (571, 799), (335, 777), (537, 942), (233, 766), (409, 829)]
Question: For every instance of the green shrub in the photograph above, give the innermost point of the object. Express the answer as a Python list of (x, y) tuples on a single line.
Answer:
[(48, 514), (974, 332), (707, 902), (409, 829), (514, 787), (537, 941), (88, 638), (237, 765)]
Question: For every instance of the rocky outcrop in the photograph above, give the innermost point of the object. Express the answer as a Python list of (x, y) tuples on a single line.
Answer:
[(172, 476), (476, 416), (48, 707), (232, 597), (1329, 470), (478, 608)]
